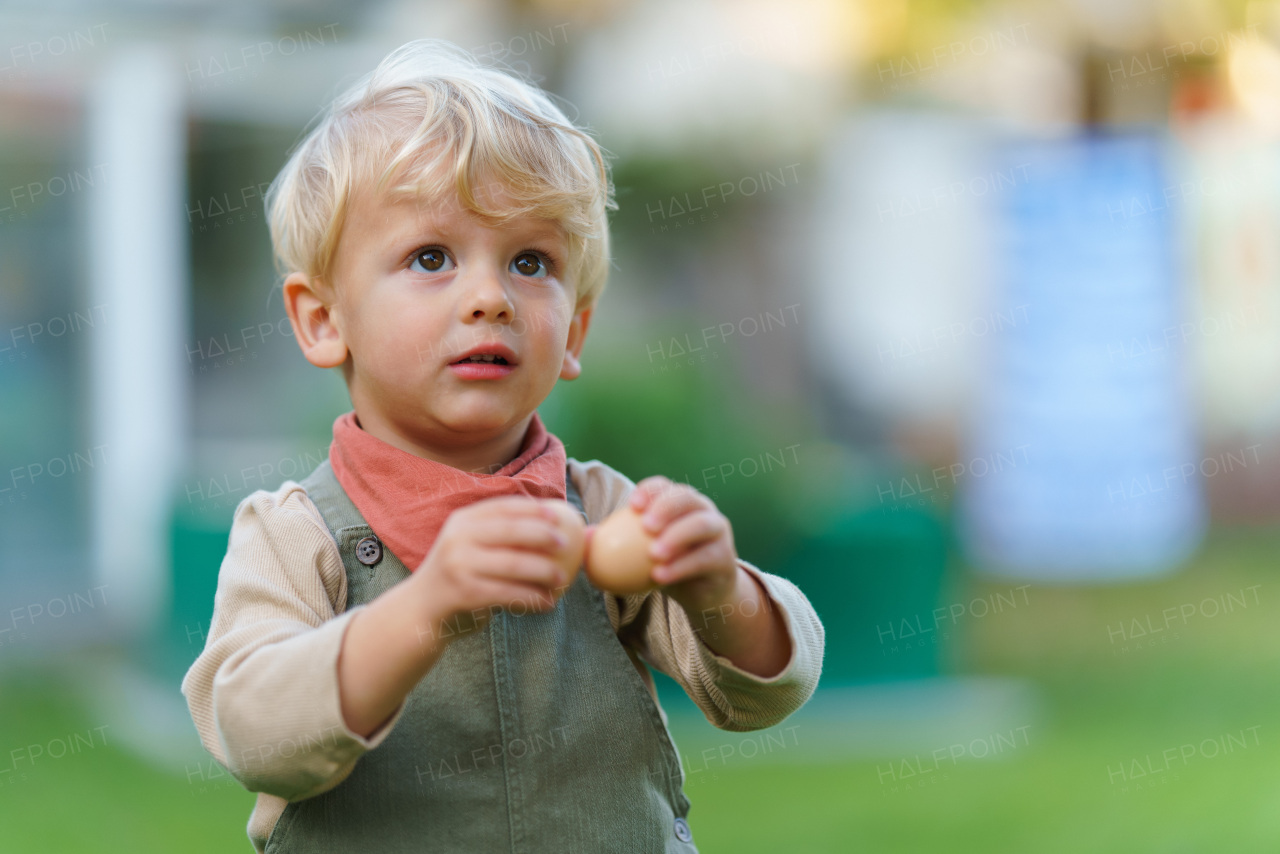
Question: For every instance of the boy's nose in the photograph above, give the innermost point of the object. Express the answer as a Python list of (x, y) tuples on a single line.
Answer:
[(485, 296)]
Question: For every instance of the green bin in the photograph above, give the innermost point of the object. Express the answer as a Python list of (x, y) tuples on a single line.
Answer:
[(875, 577)]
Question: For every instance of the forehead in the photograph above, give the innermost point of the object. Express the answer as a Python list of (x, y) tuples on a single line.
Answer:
[(394, 216)]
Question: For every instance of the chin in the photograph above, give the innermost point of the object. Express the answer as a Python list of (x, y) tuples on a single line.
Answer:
[(482, 420)]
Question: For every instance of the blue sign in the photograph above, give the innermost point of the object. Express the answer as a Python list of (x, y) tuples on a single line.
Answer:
[(1090, 465)]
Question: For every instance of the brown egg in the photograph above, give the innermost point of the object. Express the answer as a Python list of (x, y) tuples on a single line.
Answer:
[(574, 530), (618, 560)]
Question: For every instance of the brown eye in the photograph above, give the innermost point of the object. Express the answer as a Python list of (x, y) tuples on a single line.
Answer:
[(431, 260), (529, 264)]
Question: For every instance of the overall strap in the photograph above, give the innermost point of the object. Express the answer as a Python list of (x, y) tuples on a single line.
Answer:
[(572, 495), (331, 500)]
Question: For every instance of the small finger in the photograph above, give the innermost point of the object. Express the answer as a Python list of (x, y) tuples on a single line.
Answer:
[(670, 506), (538, 534), (525, 597), (691, 564), (685, 533), (648, 489)]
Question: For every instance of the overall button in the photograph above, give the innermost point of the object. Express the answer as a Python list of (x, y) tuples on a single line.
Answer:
[(683, 833), (369, 551)]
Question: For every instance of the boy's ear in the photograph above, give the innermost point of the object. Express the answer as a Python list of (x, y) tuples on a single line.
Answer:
[(313, 322), (572, 368)]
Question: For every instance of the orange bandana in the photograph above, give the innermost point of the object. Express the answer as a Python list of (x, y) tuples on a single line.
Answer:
[(406, 498)]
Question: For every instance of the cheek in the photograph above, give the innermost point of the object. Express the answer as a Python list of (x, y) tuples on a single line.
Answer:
[(398, 335), (550, 337)]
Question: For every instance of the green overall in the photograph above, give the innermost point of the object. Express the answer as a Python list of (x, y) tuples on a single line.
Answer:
[(536, 734)]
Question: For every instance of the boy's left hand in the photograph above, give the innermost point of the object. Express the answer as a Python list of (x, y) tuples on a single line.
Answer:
[(693, 542)]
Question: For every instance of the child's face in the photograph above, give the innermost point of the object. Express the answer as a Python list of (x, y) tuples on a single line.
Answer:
[(417, 287)]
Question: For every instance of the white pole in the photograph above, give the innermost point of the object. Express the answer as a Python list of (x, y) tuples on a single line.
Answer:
[(137, 268)]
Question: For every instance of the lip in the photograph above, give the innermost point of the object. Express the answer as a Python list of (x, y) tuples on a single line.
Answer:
[(478, 371), (481, 370), (491, 349)]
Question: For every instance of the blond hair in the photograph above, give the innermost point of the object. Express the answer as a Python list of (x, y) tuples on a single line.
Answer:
[(432, 114)]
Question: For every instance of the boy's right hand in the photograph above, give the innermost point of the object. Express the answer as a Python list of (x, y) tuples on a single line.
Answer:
[(496, 553)]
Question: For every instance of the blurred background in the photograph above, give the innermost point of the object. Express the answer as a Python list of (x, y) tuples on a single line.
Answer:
[(965, 313)]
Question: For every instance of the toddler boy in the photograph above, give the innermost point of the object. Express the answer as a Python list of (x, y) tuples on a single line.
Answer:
[(396, 662)]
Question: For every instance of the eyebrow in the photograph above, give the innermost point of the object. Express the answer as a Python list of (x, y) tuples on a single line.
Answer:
[(532, 228)]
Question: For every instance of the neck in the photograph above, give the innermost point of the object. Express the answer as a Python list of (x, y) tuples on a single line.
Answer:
[(483, 456)]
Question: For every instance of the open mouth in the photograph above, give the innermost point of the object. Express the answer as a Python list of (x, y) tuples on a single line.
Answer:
[(482, 360)]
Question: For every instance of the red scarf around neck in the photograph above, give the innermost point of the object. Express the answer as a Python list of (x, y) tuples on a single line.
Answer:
[(406, 498)]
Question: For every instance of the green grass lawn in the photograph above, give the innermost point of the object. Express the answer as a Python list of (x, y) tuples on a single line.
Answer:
[(1110, 701), (99, 798)]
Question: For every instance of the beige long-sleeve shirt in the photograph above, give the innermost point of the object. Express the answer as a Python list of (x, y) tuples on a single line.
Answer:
[(264, 692)]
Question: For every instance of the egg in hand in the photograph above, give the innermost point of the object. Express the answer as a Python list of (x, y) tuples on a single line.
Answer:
[(618, 559)]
